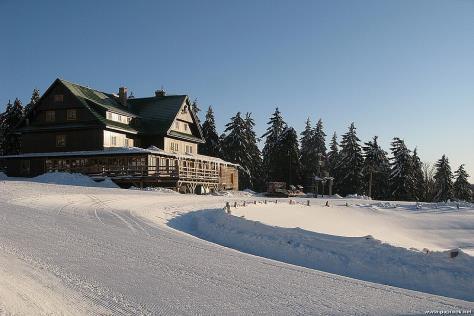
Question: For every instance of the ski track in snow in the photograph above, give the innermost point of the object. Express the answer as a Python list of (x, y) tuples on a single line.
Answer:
[(78, 250)]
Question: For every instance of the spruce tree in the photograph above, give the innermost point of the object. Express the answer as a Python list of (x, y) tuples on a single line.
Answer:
[(443, 180), (309, 155), (35, 96), (12, 116), (255, 155), (401, 175), (320, 140), (195, 108), (349, 168), (462, 187), (333, 155), (376, 170), (419, 184), (235, 148), (270, 154), (287, 161), (211, 146)]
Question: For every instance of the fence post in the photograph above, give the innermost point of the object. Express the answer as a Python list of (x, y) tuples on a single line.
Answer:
[(307, 203)]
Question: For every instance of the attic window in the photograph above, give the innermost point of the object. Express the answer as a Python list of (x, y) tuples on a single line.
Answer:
[(185, 109), (71, 114), (59, 98), (176, 125)]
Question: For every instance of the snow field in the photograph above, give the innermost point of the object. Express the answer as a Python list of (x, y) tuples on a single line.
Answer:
[(363, 258)]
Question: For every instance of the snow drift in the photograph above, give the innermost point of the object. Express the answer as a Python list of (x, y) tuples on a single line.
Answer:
[(76, 179), (357, 257)]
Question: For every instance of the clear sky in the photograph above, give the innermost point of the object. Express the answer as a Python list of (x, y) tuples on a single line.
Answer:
[(396, 68)]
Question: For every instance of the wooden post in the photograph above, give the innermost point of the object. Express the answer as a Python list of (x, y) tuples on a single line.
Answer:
[(307, 203), (265, 201)]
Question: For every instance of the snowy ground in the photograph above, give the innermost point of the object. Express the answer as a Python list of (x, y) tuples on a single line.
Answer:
[(82, 250)]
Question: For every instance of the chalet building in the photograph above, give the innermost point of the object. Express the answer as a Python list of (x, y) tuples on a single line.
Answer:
[(134, 141)]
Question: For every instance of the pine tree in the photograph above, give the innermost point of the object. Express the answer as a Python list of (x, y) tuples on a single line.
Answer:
[(376, 170), (401, 176), (333, 155), (12, 116), (320, 140), (462, 187), (349, 168), (235, 148), (270, 155), (418, 178), (35, 96), (309, 155), (443, 180), (255, 155), (287, 161), (195, 108), (211, 146)]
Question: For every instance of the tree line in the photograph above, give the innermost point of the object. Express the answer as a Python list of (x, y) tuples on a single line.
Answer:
[(356, 167)]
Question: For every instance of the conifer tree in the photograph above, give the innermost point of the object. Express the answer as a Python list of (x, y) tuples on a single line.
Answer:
[(309, 155), (349, 168), (443, 180), (287, 161), (462, 187), (211, 146), (235, 148), (195, 108), (419, 184), (333, 155), (376, 170), (12, 116), (35, 96), (401, 175), (320, 140), (276, 126), (255, 155)]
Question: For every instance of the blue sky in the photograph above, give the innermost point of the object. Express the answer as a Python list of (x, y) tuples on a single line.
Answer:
[(395, 68)]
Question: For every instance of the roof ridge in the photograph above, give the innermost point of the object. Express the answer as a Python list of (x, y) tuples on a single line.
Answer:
[(82, 86)]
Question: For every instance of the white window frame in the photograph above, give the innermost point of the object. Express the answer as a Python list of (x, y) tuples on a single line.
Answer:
[(69, 115)]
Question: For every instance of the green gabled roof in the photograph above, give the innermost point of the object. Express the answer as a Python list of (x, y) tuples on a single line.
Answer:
[(156, 113), (104, 100), (186, 136)]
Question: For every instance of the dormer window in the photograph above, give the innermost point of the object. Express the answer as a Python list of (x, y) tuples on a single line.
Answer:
[(59, 98)]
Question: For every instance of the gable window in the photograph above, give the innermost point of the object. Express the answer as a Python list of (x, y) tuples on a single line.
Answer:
[(176, 125), (60, 140), (174, 146), (50, 116), (71, 115), (186, 127), (59, 98)]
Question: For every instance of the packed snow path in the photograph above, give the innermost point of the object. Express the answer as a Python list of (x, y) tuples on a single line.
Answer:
[(78, 250)]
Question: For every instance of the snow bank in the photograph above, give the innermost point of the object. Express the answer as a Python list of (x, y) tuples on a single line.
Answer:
[(357, 196), (76, 179), (358, 257), (156, 189)]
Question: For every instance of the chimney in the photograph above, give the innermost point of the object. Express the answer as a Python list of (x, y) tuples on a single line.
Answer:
[(123, 95), (160, 93)]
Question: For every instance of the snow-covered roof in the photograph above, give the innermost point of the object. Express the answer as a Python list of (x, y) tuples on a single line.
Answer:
[(121, 151)]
